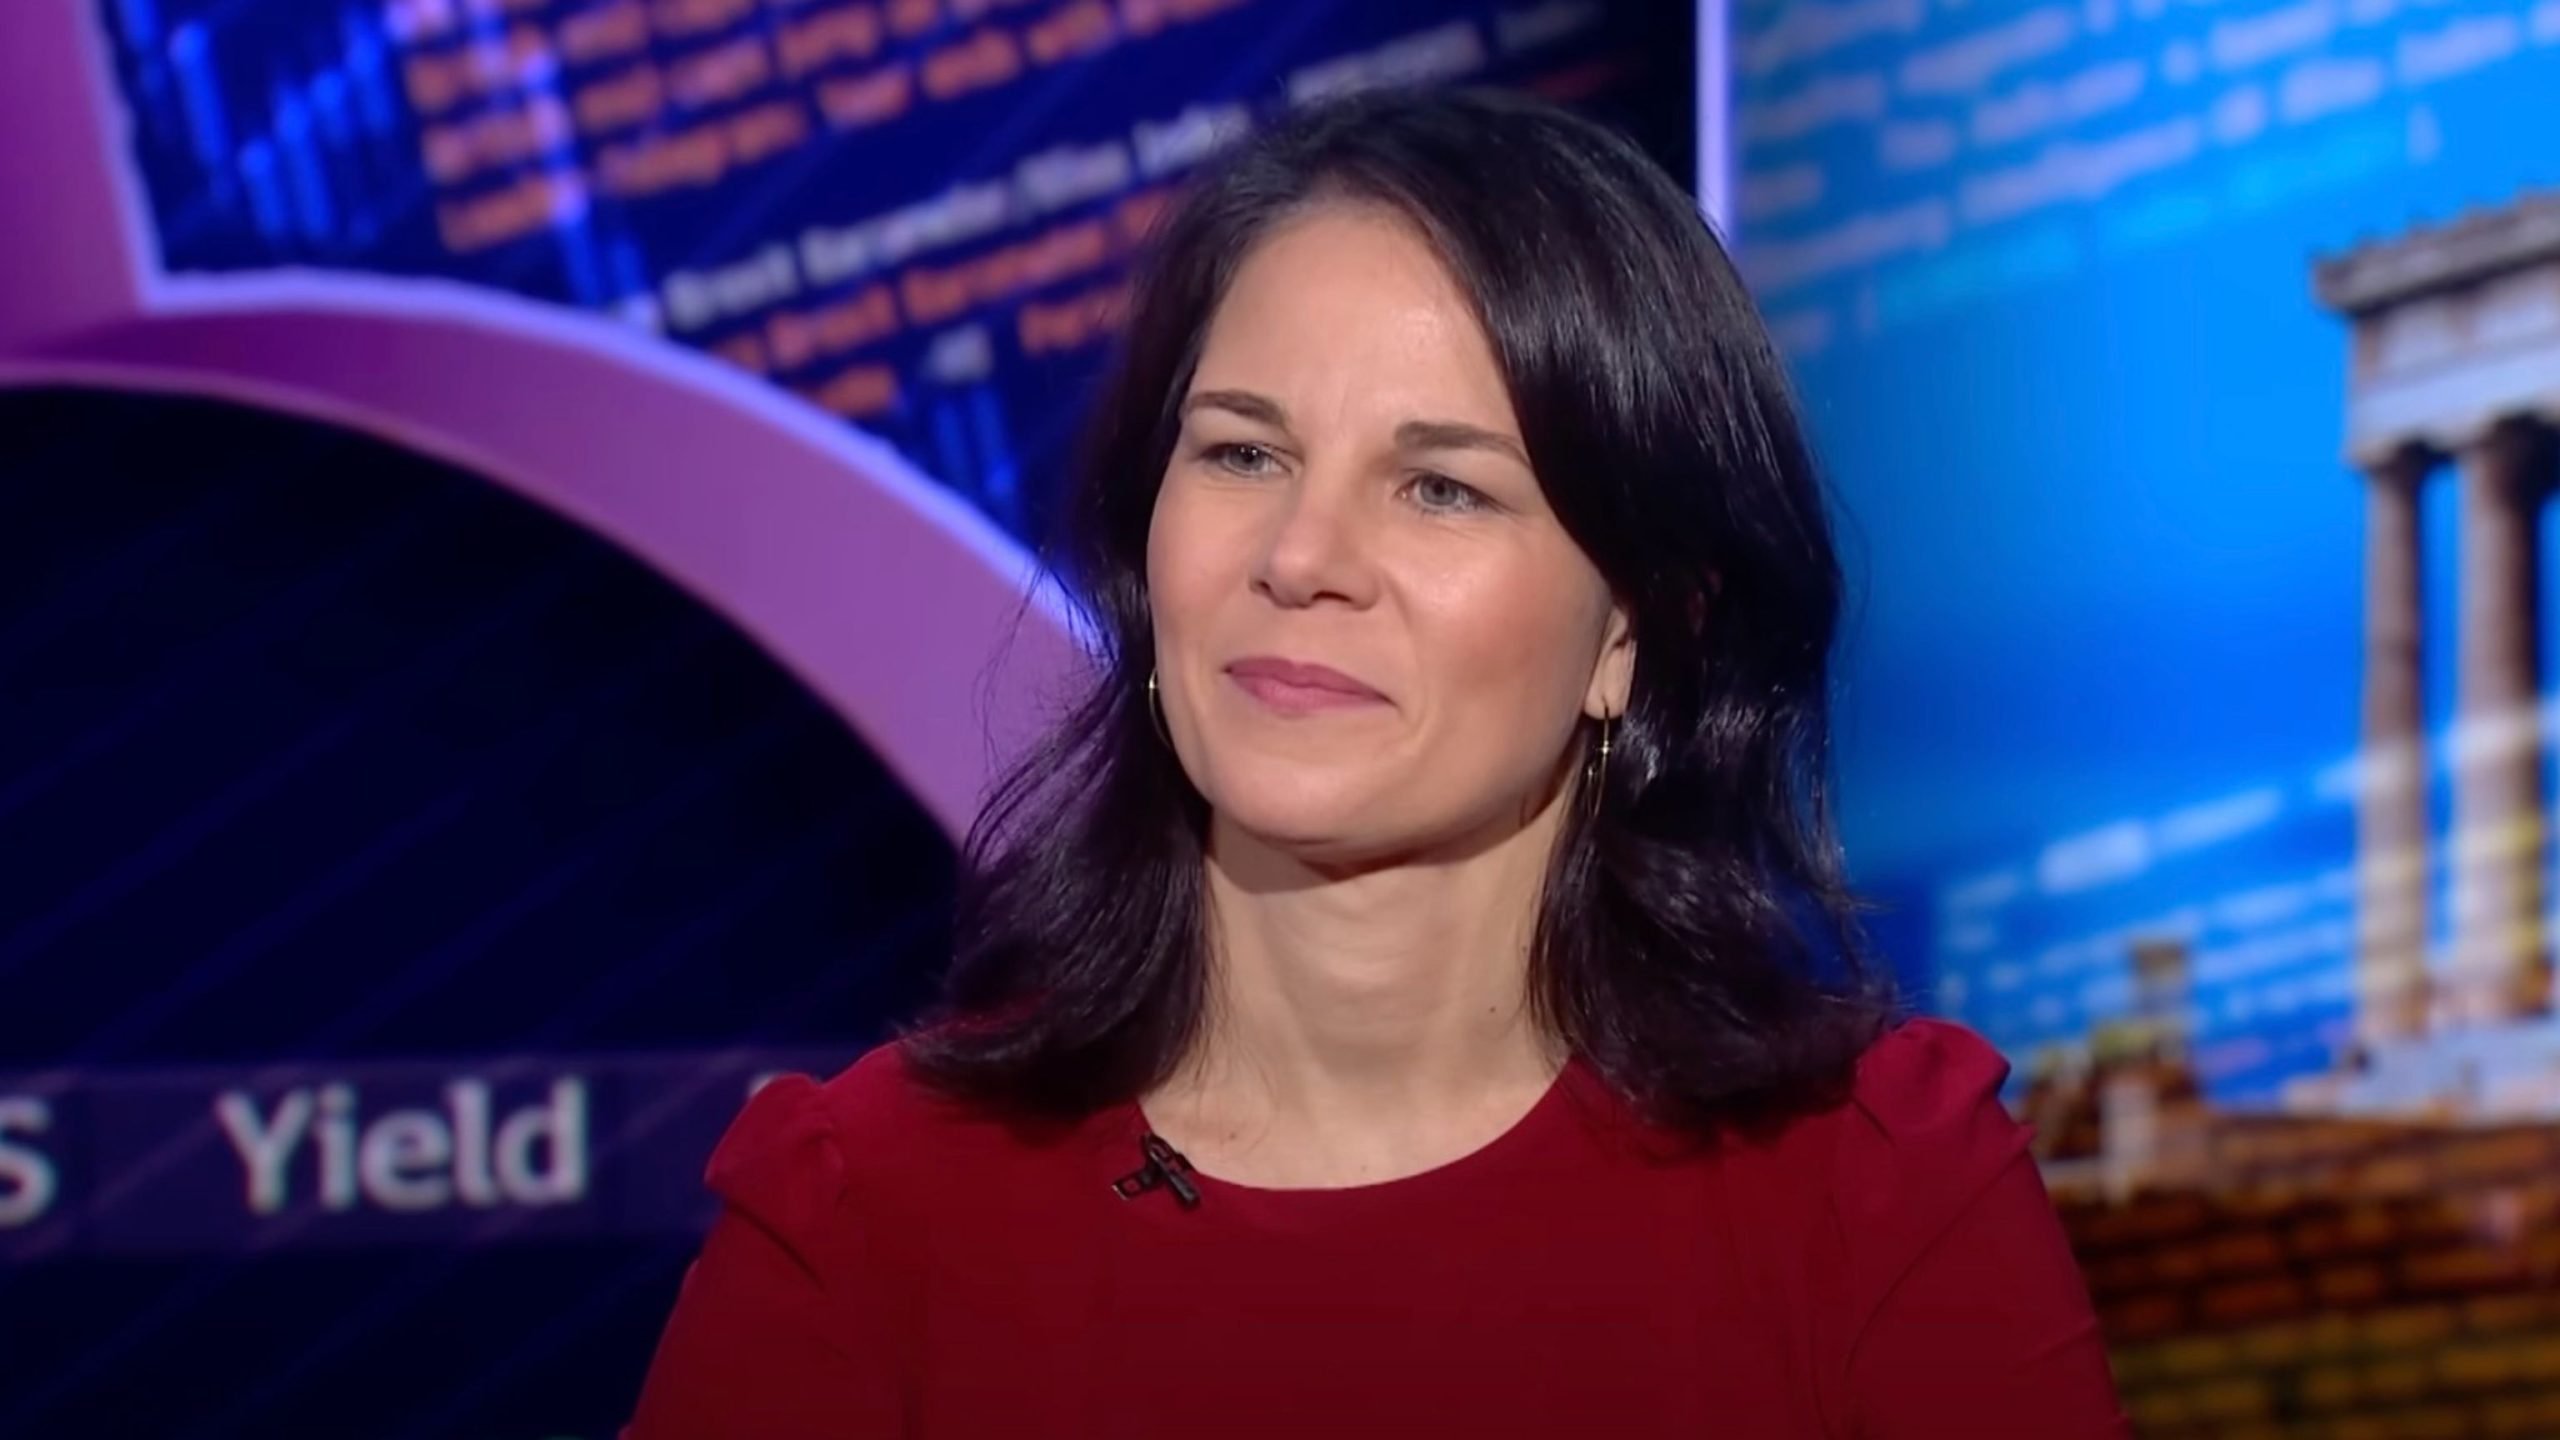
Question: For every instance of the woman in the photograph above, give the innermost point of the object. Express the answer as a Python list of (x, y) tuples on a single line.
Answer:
[(1416, 992)]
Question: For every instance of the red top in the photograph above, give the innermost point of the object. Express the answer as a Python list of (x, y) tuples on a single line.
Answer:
[(889, 1265)]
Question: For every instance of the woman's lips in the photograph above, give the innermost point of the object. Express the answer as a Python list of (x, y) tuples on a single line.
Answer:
[(1295, 688)]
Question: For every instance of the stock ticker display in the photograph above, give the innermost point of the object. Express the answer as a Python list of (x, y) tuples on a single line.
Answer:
[(914, 213)]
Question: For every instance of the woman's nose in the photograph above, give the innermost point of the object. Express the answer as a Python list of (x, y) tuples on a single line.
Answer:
[(1316, 544)]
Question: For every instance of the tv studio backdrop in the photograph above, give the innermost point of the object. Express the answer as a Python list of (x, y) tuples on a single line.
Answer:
[(511, 550), (516, 525)]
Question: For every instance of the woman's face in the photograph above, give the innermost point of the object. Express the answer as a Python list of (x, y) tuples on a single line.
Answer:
[(1350, 491)]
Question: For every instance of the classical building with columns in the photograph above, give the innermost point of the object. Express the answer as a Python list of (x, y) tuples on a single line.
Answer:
[(2375, 1255), (2455, 365)]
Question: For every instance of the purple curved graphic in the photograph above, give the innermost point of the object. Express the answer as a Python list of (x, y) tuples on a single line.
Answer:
[(887, 595)]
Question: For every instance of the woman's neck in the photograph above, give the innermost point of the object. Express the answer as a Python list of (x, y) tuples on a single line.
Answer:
[(1364, 1023)]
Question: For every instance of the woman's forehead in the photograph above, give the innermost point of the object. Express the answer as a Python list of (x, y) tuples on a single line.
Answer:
[(1353, 313)]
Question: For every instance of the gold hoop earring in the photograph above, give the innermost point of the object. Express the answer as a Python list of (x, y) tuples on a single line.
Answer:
[(1155, 710)]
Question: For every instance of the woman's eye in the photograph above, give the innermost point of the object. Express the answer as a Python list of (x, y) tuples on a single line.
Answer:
[(1240, 458), (1439, 492)]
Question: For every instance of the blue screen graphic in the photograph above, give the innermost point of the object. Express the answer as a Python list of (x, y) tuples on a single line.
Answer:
[(914, 213), (2047, 274)]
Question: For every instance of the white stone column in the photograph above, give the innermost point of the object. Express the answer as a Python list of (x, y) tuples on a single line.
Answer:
[(2501, 957), (2391, 803)]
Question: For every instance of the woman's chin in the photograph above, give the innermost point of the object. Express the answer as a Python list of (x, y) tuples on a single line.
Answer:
[(1306, 827)]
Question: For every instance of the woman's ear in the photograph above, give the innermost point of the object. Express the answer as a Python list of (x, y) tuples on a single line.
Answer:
[(1613, 679)]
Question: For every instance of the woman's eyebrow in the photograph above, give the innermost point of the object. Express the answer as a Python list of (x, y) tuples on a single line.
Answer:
[(1411, 435), (1261, 408), (1457, 435)]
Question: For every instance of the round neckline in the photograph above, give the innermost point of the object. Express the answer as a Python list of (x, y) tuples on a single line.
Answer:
[(1522, 1133)]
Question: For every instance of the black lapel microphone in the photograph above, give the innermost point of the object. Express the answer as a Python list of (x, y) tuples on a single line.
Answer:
[(1164, 1166)]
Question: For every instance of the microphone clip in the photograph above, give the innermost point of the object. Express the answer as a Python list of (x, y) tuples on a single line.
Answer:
[(1164, 1166)]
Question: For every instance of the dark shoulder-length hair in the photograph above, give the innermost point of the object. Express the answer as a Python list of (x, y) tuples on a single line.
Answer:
[(1697, 944)]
